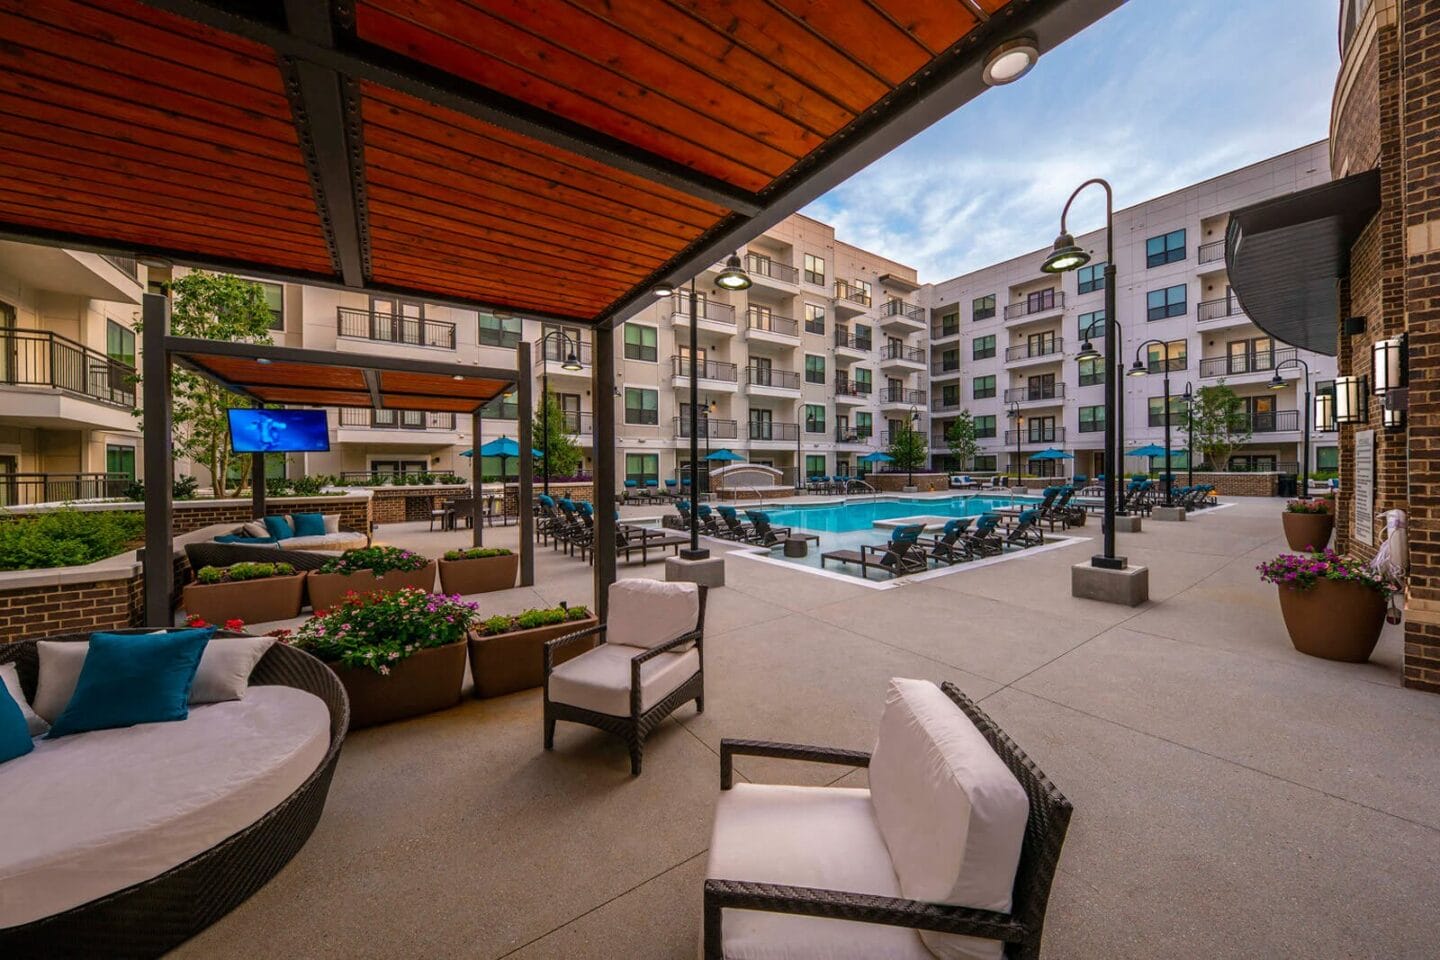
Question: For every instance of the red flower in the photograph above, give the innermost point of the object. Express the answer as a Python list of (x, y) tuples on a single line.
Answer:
[(235, 623), (195, 620)]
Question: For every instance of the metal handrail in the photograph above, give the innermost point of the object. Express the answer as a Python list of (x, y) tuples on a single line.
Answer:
[(900, 308), (1218, 308), (25, 488), (704, 369), (853, 294), (557, 350), (1210, 252), (772, 323), (772, 430), (705, 308), (40, 358), (385, 327), (1028, 393), (846, 387), (770, 377), (708, 427), (865, 344), (395, 419), (1256, 362), (765, 267), (1027, 351), (898, 351), (1023, 308), (1052, 435), (902, 395)]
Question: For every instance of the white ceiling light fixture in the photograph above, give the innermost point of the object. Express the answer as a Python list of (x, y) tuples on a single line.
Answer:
[(1010, 61)]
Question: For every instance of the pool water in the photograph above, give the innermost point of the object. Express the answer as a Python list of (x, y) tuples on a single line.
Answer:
[(862, 514)]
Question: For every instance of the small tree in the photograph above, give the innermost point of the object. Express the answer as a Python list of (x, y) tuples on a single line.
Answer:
[(212, 307), (1220, 424), (564, 454), (960, 438), (909, 450)]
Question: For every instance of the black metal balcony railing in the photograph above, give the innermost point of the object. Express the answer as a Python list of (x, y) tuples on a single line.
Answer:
[(945, 406), (1212, 251), (772, 323), (765, 267), (1049, 391), (853, 434), (903, 395), (1218, 308), (845, 341), (945, 328), (851, 294), (126, 265), (394, 328), (770, 377), (898, 351), (943, 366), (579, 422), (1043, 348), (1254, 362), (1274, 421), (705, 309), (902, 310), (39, 358), (770, 430), (845, 387), (490, 337), (704, 369), (710, 427), (1054, 300), (22, 488), (359, 418), (556, 351), (1040, 435)]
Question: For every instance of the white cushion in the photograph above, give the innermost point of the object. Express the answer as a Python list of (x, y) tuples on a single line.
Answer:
[(10, 676), (97, 812), (60, 665), (342, 540), (813, 837), (599, 679), (332, 523), (646, 613), (952, 814), (255, 529)]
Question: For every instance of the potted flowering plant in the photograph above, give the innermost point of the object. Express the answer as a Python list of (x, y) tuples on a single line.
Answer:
[(1334, 606), (478, 570), (397, 654), (1308, 524), (261, 591), (369, 570), (507, 653)]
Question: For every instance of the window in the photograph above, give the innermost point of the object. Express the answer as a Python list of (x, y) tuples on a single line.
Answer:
[(950, 395), (1092, 371), (275, 300), (950, 360), (640, 343), (1169, 302), (1327, 458), (1092, 419), (1092, 277), (950, 323), (814, 418), (641, 467), (814, 318), (1166, 248), (984, 387), (119, 344), (985, 426), (1169, 357), (499, 331), (503, 407), (1092, 325), (121, 460), (1041, 429), (982, 308), (863, 286), (814, 465), (863, 339), (865, 424), (983, 347), (814, 369), (814, 269), (1041, 386), (864, 380), (1040, 300), (642, 406), (1157, 410), (984, 461)]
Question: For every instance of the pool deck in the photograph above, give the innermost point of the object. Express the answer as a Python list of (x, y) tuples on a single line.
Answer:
[(1233, 798)]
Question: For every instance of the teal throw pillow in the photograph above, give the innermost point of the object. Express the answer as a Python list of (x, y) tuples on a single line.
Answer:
[(14, 732), (133, 678), (309, 524), (279, 528)]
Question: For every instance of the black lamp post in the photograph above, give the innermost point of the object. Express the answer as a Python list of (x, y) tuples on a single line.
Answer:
[(1018, 421), (1088, 352), (1140, 369), (1067, 256), (571, 362), (1278, 383), (1189, 397), (910, 446)]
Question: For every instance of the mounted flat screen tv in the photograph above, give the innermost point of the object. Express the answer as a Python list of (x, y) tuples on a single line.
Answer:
[(278, 431)]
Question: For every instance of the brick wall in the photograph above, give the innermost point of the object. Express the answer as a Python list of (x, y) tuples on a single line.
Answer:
[(191, 515), (895, 482), (114, 599), (399, 504)]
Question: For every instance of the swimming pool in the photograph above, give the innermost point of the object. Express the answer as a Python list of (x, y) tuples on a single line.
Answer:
[(862, 514)]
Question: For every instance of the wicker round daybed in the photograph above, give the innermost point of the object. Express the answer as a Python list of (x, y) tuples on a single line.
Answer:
[(150, 918)]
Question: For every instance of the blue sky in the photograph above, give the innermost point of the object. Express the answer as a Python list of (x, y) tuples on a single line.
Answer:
[(1167, 92)]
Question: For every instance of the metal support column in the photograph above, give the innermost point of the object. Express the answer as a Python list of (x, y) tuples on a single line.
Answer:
[(155, 366), (477, 470), (603, 460), (257, 486), (695, 551), (525, 494)]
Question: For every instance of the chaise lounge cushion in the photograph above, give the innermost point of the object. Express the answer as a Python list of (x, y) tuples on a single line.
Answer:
[(107, 809), (822, 837), (952, 814), (647, 613), (599, 679), (341, 540)]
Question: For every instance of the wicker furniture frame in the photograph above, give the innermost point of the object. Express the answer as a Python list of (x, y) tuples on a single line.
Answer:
[(208, 553), (1020, 929), (633, 729), (150, 918)]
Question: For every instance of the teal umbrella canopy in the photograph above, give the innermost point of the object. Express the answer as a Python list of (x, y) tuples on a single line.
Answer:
[(503, 447), (724, 456), (1150, 450), (877, 457), (1053, 454)]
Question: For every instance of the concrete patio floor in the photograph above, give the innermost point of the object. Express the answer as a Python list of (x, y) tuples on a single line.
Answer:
[(1233, 798)]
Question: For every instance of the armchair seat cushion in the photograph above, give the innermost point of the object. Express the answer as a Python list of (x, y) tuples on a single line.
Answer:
[(599, 679), (823, 837)]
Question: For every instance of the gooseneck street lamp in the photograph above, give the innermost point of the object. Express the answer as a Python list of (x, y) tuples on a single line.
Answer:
[(1189, 397), (1067, 256), (1018, 421), (1140, 369), (1278, 383), (570, 362), (1088, 352)]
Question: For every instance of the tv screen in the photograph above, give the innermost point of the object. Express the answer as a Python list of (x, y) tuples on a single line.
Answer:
[(278, 431)]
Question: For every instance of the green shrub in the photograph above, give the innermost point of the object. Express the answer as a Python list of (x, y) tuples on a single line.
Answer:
[(530, 619), (238, 572), (68, 538), (209, 575), (307, 486), (477, 553), (379, 560), (184, 488)]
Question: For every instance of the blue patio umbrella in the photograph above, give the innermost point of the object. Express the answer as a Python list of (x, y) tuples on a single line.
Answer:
[(504, 448), (1150, 452), (1053, 454), (876, 457), (724, 456)]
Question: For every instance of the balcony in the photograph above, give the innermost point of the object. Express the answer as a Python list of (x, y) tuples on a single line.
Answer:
[(1212, 252), (709, 428), (763, 269), (579, 423), (1050, 393), (1260, 361), (852, 391), (850, 300), (551, 355), (902, 316), (854, 435), (772, 328), (395, 419), (710, 315), (1219, 311), (1041, 351), (900, 356), (381, 327), (901, 396), (851, 348), (24, 488), (768, 431), (941, 368), (63, 382), (1272, 421), (126, 265), (1044, 435), (714, 374), (941, 329), (941, 407), (769, 382), (1035, 307)]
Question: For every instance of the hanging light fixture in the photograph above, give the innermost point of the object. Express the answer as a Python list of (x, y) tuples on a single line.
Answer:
[(1392, 419), (1087, 351), (1350, 399), (733, 277), (1277, 382), (1010, 61), (1137, 369), (1389, 359), (1325, 411), (662, 290), (1066, 255)]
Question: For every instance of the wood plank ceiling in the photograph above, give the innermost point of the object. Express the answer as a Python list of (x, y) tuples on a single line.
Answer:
[(549, 159)]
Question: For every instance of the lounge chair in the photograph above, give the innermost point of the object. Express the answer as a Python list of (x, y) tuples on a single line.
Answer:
[(630, 538), (1060, 510), (682, 522), (763, 533), (735, 528), (951, 546), (708, 524), (963, 481), (984, 540), (902, 555), (672, 489), (1026, 532)]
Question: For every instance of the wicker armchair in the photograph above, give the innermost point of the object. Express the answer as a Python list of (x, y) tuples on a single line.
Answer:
[(208, 553), (1019, 929), (151, 918), (610, 686)]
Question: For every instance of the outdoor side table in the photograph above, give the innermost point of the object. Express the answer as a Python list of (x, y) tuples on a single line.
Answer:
[(797, 547)]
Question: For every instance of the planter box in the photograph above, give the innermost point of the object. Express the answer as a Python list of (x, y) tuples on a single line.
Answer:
[(328, 589), (516, 661), (1307, 531), (255, 601), (1334, 620), (423, 682), (484, 575)]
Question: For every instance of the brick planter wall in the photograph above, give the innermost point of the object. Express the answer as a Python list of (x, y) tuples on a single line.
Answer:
[(896, 482), (191, 515), (574, 490), (401, 504), (72, 600)]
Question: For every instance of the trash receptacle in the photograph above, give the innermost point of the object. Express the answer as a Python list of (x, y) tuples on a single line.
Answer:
[(1286, 485)]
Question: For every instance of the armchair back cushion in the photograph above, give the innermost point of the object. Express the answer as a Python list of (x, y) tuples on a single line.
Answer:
[(647, 613), (952, 814)]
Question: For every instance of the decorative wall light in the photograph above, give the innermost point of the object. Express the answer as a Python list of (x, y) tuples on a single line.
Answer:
[(1350, 396), (1393, 419), (1390, 361), (1325, 411)]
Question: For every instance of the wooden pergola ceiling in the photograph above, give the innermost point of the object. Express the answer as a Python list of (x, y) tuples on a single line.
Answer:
[(555, 160)]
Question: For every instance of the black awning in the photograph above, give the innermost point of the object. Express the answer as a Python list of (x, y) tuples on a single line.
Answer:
[(1285, 256)]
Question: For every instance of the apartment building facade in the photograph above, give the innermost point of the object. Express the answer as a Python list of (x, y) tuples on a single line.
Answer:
[(1004, 339)]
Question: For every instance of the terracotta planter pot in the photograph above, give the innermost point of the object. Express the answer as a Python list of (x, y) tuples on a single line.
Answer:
[(255, 601), (328, 589), (1334, 620), (1307, 531), (423, 682), (516, 661), (479, 576)]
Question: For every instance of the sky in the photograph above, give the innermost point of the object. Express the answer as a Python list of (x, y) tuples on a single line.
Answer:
[(1158, 95)]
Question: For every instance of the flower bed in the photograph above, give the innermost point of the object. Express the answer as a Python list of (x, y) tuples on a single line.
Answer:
[(369, 570), (478, 570), (260, 591), (1334, 606), (1308, 524), (507, 653)]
